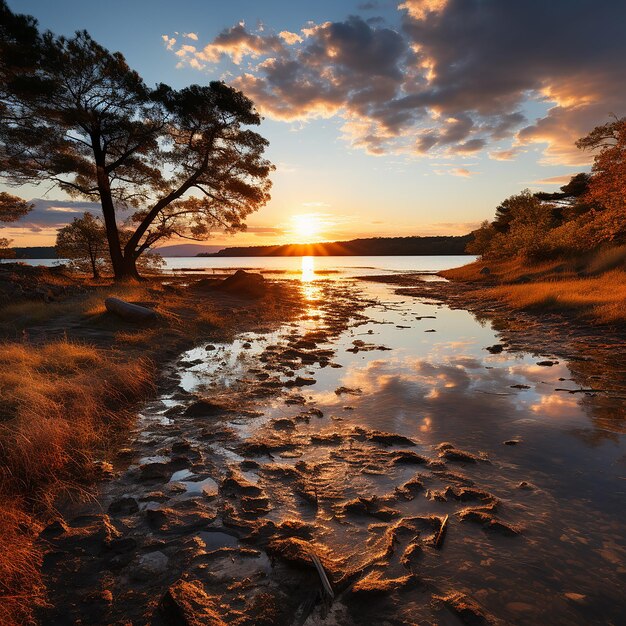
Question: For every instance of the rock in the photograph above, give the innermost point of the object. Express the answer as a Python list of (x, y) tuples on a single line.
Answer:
[(55, 529), (454, 454), (407, 457), (485, 271), (167, 520), (130, 312), (547, 363), (186, 603), (375, 583), (370, 506), (300, 381), (389, 439), (579, 598), (511, 442), (205, 408), (244, 283), (155, 471), (124, 506), (468, 611), (149, 565)]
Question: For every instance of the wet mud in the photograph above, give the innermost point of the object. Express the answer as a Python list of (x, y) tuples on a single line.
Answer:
[(351, 467)]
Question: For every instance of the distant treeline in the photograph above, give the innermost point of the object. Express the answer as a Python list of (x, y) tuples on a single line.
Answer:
[(376, 246), (35, 252)]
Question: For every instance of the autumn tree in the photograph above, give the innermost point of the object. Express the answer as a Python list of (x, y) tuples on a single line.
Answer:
[(160, 162), (607, 186), (83, 242), (12, 208)]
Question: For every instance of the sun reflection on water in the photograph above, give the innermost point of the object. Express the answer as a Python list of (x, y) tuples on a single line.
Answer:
[(310, 290), (308, 269)]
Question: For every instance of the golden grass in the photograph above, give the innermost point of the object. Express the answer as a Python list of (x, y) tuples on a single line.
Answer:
[(582, 287), (601, 298), (59, 405)]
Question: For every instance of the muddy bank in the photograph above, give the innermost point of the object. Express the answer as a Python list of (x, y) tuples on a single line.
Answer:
[(72, 376), (368, 462)]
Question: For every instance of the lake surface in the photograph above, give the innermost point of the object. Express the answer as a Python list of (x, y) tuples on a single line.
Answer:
[(362, 425), (290, 266)]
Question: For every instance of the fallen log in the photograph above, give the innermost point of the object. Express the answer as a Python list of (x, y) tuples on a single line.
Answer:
[(130, 312)]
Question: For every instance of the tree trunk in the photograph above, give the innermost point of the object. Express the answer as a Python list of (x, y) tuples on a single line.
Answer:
[(94, 268), (129, 269), (108, 209)]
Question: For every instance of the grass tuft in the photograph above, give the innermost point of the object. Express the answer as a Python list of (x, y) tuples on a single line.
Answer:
[(59, 405)]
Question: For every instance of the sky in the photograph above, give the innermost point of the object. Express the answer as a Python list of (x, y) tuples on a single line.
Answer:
[(384, 118)]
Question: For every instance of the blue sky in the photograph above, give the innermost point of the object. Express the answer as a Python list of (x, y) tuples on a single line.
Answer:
[(384, 118)]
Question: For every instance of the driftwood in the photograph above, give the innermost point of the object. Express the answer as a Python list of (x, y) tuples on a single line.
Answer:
[(130, 312), (322, 574), (439, 537)]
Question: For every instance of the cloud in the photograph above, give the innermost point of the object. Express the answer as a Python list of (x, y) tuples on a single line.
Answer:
[(555, 180), (265, 230), (463, 172), (290, 38), (453, 77), (53, 214), (193, 36), (170, 42), (504, 155)]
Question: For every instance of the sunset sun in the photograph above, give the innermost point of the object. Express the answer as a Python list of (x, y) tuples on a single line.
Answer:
[(306, 228)]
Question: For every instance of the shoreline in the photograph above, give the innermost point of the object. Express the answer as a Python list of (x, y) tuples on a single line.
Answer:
[(56, 331), (592, 350)]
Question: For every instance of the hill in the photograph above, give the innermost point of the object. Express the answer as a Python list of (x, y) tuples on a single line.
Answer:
[(376, 246)]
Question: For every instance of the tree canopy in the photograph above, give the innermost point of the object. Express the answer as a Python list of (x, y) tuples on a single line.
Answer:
[(160, 162), (83, 243), (587, 213)]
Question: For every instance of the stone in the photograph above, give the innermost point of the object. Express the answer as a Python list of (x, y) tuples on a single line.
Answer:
[(186, 603), (124, 506), (244, 283), (205, 408)]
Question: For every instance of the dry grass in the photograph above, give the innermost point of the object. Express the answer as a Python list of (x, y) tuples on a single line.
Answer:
[(601, 298), (594, 288), (60, 404)]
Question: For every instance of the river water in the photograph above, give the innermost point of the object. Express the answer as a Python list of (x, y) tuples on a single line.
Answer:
[(401, 418)]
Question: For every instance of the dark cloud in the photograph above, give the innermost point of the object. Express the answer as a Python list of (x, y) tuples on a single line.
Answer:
[(48, 214), (455, 76)]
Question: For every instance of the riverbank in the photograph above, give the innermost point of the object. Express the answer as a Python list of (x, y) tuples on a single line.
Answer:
[(436, 474), (592, 289), (71, 378)]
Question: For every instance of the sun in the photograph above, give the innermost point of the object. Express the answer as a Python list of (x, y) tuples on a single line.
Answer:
[(306, 227)]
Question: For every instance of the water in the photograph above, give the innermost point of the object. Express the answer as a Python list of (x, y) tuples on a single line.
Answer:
[(288, 266), (559, 482), (545, 468)]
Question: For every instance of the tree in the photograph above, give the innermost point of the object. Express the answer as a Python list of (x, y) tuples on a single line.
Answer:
[(84, 243), (607, 187), (182, 160), (12, 208)]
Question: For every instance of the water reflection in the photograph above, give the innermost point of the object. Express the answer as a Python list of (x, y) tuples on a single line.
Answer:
[(308, 278), (308, 269)]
